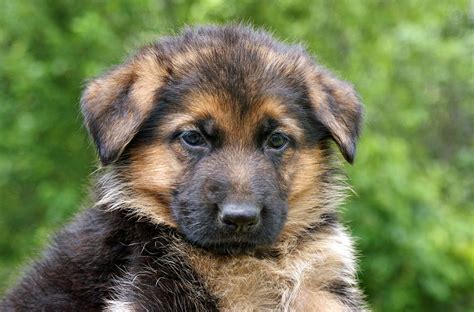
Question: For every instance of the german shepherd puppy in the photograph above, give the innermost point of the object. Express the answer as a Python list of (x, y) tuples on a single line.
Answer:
[(219, 189)]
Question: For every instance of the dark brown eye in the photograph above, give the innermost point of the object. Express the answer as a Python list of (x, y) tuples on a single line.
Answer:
[(277, 141), (193, 139)]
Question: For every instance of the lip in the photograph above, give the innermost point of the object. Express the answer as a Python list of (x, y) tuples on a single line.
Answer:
[(235, 243)]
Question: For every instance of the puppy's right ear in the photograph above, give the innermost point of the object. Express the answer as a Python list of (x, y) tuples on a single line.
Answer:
[(116, 104)]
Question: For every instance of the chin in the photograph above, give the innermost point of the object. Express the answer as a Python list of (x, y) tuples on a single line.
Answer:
[(215, 238)]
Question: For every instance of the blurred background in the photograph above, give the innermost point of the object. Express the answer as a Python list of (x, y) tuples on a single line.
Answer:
[(411, 61)]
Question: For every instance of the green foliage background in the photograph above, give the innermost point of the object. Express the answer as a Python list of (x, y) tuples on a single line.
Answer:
[(411, 61)]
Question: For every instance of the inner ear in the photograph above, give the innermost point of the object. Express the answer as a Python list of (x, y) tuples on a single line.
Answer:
[(116, 104)]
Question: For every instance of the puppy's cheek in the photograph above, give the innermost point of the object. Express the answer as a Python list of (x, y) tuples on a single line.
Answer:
[(305, 191), (287, 170), (194, 222), (154, 171), (302, 175), (190, 205), (155, 168)]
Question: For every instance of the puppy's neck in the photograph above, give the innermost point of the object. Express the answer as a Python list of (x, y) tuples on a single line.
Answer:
[(273, 278)]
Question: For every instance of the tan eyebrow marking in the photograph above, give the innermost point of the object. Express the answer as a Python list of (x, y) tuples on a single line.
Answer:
[(175, 121), (237, 127)]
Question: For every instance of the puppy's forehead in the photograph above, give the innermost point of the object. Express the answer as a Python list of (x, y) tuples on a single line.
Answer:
[(238, 119), (235, 120)]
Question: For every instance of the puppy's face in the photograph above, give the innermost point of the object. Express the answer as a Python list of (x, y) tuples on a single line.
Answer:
[(222, 132), (233, 186)]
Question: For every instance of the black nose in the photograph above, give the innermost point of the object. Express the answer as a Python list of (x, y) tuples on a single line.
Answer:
[(240, 217)]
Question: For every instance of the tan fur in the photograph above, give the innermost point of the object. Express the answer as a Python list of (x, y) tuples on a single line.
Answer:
[(102, 92), (162, 171), (318, 301), (176, 121), (149, 78), (100, 95), (182, 61), (118, 193), (309, 196), (247, 283), (240, 128)]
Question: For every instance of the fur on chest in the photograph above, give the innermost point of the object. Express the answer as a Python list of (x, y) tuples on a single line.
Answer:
[(295, 275)]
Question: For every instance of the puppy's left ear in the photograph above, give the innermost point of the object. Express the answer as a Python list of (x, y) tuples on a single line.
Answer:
[(338, 108), (116, 104)]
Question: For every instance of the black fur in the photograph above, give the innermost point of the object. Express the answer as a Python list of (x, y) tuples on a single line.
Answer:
[(77, 272)]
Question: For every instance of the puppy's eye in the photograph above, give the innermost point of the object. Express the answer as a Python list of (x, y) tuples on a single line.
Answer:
[(193, 139), (277, 141)]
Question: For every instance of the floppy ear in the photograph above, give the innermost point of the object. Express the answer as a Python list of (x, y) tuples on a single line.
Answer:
[(338, 108), (116, 104)]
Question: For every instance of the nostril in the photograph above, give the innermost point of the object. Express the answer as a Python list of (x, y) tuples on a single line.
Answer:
[(226, 221), (229, 224)]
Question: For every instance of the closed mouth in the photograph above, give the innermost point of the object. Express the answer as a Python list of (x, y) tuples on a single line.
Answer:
[(230, 248)]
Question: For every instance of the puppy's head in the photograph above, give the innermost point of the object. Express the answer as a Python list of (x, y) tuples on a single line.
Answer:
[(222, 132)]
